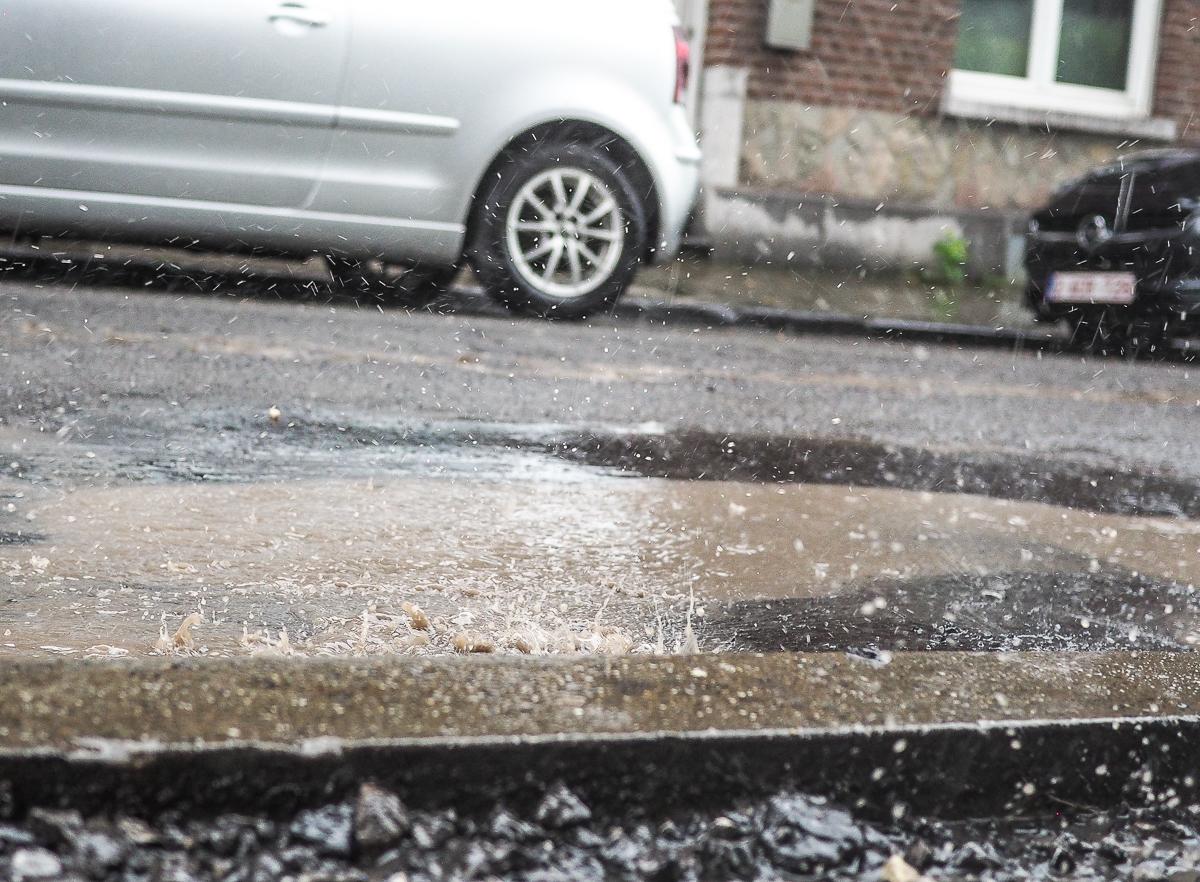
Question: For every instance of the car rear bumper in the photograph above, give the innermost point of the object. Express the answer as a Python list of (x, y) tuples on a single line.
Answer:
[(1177, 300), (1168, 276), (678, 180)]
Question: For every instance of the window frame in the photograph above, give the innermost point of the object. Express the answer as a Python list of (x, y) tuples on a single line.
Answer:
[(1038, 90)]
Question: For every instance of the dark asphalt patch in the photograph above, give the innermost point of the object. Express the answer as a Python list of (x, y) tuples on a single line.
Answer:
[(249, 450), (709, 456), (19, 537), (1063, 612)]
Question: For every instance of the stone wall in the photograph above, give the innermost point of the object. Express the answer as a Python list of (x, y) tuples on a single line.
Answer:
[(873, 190), (802, 230), (938, 162)]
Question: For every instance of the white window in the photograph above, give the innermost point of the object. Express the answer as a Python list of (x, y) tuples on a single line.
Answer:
[(1087, 57)]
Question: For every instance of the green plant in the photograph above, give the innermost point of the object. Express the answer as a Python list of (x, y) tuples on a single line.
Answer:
[(949, 264), (945, 275)]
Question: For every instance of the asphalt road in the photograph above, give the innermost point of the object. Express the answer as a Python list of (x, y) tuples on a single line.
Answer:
[(88, 361)]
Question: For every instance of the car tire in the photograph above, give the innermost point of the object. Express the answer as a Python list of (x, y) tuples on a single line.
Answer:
[(559, 232), (412, 287)]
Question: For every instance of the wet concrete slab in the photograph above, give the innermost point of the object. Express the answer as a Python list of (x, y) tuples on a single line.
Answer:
[(61, 705)]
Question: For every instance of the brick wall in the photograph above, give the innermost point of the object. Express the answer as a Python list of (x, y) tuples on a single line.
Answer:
[(1177, 83), (876, 54), (893, 55)]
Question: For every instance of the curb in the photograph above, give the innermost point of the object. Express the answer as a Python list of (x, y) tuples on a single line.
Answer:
[(673, 313), (954, 771), (1017, 733), (474, 301)]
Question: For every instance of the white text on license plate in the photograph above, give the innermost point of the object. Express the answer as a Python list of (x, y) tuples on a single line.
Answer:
[(1091, 288)]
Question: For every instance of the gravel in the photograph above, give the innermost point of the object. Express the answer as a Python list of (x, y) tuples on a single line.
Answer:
[(786, 836)]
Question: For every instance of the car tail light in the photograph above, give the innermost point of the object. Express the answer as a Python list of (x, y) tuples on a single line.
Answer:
[(683, 64)]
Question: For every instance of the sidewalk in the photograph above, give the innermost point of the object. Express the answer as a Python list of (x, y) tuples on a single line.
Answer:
[(837, 292), (1013, 733), (688, 280)]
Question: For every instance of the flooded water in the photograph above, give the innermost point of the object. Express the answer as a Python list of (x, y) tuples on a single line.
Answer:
[(552, 558)]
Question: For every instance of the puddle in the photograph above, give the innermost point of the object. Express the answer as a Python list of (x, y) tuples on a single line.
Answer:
[(311, 556), (554, 558), (1083, 484)]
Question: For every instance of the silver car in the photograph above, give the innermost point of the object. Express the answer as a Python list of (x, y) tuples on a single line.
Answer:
[(542, 141)]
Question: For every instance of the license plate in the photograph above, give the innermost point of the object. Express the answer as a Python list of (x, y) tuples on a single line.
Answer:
[(1118, 288)]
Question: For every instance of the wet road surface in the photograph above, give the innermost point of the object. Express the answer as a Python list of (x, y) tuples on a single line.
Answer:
[(101, 361), (324, 479), (228, 475), (522, 552)]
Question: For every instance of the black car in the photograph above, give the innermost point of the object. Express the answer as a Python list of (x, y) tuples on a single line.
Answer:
[(1116, 253)]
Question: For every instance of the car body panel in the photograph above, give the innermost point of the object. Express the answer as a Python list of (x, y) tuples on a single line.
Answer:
[(376, 146), (489, 72), (204, 101)]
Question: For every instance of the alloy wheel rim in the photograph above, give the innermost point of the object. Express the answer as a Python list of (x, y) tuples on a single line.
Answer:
[(565, 232)]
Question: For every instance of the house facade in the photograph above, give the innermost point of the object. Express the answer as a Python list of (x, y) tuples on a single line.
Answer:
[(861, 131)]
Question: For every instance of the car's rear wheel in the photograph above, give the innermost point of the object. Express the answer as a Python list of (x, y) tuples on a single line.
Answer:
[(559, 233), (413, 287)]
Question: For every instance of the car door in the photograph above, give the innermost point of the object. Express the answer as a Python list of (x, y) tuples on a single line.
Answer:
[(418, 121), (412, 80), (219, 101)]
